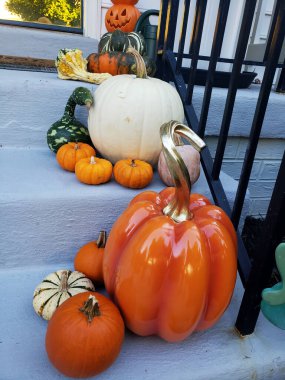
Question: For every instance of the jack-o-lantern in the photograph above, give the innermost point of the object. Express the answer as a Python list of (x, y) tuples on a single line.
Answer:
[(121, 16)]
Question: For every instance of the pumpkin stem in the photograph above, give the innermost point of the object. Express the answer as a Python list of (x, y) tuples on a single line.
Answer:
[(91, 308), (178, 208), (102, 238), (133, 163), (140, 65), (63, 281), (76, 146), (92, 160)]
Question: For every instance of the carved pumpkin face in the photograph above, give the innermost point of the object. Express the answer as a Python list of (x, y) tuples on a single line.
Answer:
[(123, 17)]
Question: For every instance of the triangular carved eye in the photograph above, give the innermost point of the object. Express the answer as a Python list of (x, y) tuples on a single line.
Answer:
[(111, 13), (124, 12)]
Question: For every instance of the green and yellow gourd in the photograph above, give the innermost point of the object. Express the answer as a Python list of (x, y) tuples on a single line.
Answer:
[(68, 128)]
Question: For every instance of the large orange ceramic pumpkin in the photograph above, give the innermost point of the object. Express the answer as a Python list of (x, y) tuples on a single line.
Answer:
[(171, 258), (121, 16)]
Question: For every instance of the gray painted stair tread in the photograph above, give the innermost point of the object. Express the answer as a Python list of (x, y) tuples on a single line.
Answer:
[(215, 354)]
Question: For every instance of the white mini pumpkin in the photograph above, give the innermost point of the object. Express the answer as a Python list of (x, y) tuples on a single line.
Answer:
[(127, 113), (56, 288)]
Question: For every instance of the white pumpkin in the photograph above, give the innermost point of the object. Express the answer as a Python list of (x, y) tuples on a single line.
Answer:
[(127, 113), (56, 288)]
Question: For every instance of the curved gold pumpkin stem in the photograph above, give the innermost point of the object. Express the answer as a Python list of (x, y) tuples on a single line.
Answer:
[(178, 208)]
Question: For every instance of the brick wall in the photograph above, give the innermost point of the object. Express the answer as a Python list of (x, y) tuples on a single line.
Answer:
[(264, 172)]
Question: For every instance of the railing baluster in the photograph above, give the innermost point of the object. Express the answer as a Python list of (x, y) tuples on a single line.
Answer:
[(273, 56), (171, 22), (238, 62), (215, 53), (272, 232), (183, 34), (162, 24), (200, 11), (166, 32)]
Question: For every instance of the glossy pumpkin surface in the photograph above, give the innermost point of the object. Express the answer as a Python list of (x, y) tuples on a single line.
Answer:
[(135, 174), (121, 16), (69, 154), (170, 278), (84, 337), (93, 170)]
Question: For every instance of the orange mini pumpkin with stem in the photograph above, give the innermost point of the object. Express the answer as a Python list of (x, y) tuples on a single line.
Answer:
[(84, 335), (93, 170), (135, 174), (89, 259), (69, 154), (170, 262)]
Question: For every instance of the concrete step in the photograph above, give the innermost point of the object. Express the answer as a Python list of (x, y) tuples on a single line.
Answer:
[(216, 354), (47, 214)]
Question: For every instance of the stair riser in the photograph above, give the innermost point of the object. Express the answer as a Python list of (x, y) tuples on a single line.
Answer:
[(45, 232), (31, 103)]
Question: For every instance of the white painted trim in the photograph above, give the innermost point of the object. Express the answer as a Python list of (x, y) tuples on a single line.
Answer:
[(92, 18)]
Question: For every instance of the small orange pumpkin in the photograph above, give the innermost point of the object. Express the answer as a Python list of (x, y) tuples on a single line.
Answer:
[(69, 154), (85, 335), (93, 170), (135, 174), (121, 16), (89, 259)]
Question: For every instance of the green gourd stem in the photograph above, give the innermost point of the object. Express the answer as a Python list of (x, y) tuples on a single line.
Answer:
[(102, 239), (80, 96), (178, 208), (91, 308), (140, 65), (273, 296)]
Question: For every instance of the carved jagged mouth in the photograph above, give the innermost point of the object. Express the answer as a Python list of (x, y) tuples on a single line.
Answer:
[(117, 24)]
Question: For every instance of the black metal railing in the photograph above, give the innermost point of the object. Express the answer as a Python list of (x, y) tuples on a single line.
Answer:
[(254, 274)]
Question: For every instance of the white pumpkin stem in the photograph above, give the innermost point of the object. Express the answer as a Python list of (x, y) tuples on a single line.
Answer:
[(64, 281), (102, 239), (140, 65), (178, 208), (92, 160), (91, 308)]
